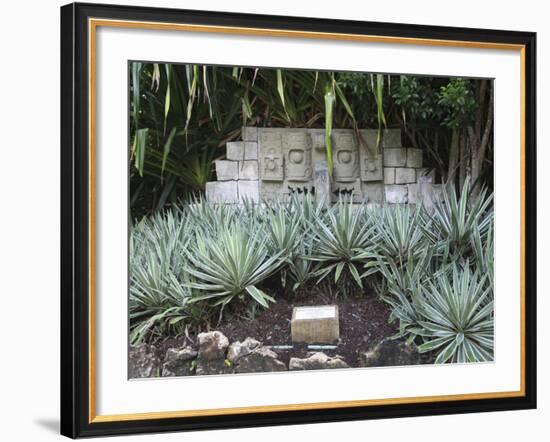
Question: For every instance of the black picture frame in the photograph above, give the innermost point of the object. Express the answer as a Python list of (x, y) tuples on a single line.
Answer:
[(75, 220)]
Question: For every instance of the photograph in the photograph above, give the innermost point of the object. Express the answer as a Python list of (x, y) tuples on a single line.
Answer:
[(291, 219)]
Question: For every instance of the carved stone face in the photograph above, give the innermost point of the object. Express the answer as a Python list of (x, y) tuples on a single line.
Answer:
[(346, 157), (297, 152), (271, 157)]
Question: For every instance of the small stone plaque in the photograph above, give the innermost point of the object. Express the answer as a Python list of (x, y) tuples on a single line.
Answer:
[(315, 324)]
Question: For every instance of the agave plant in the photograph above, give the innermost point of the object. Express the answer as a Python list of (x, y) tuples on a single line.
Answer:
[(230, 265), (484, 251), (402, 285), (283, 228), (400, 232), (158, 301), (211, 217), (404, 277), (456, 317), (456, 218), (343, 241)]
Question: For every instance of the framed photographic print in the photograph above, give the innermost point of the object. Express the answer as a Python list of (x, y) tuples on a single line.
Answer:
[(274, 220)]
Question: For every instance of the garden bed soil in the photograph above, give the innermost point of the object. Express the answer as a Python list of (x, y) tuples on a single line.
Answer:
[(363, 324)]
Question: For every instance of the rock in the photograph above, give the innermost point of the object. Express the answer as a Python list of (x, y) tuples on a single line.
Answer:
[(211, 358), (143, 361), (261, 359), (390, 352), (179, 362), (317, 361), (249, 191), (212, 346), (222, 192), (218, 366), (240, 349)]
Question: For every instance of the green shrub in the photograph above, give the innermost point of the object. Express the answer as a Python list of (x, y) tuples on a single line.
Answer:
[(456, 219), (230, 265), (400, 231), (343, 239), (457, 317), (159, 299)]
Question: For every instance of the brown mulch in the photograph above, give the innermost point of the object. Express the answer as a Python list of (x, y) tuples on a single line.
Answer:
[(363, 323)]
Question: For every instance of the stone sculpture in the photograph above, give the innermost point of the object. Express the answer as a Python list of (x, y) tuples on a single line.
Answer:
[(273, 163)]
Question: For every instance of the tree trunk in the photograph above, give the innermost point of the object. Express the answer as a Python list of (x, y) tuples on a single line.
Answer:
[(453, 156), (464, 157), (478, 140)]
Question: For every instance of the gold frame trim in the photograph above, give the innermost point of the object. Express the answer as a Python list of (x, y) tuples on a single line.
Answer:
[(93, 24)]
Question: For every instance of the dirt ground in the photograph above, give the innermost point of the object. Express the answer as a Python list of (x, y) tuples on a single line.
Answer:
[(363, 323)]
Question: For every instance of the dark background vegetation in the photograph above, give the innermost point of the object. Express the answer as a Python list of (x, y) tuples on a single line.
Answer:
[(182, 115)]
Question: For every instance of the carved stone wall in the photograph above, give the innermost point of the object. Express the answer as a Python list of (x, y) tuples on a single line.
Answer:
[(273, 163)]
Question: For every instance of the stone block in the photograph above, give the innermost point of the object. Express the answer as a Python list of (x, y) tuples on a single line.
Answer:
[(372, 192), (271, 191), (389, 175), (396, 194), (405, 175), (353, 190), (345, 155), (249, 190), (388, 138), (227, 170), (369, 137), (321, 181), (297, 152), (391, 138), (248, 170), (222, 192), (270, 151), (315, 324), (234, 150), (250, 150), (249, 133), (414, 157), (395, 157), (371, 167)]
